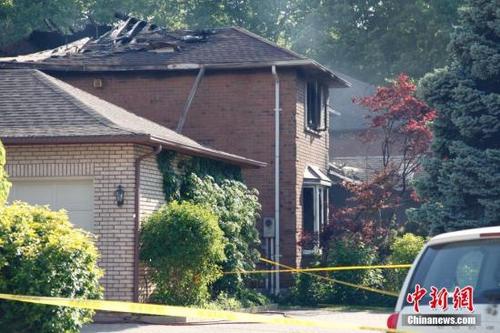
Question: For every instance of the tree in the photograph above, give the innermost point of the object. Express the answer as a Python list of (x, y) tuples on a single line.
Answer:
[(373, 40), (460, 184), (368, 39), (403, 121), (18, 18), (4, 183), (274, 20)]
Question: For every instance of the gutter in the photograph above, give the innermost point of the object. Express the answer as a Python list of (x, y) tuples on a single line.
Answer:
[(276, 176), (137, 221), (145, 139), (337, 82)]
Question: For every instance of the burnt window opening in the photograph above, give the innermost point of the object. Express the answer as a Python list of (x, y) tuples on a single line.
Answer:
[(316, 106)]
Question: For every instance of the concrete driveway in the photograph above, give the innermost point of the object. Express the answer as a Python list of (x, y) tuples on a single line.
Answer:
[(374, 318)]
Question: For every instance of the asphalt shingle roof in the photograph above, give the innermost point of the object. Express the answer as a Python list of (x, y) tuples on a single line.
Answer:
[(35, 106), (138, 45)]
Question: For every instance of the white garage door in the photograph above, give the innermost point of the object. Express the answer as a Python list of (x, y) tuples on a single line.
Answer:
[(76, 196)]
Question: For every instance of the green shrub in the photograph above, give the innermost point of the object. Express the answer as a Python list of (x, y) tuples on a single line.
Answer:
[(350, 250), (4, 183), (404, 250), (42, 254), (183, 245), (225, 302), (310, 290), (237, 209)]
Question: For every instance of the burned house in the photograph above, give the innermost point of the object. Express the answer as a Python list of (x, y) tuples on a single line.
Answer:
[(229, 89)]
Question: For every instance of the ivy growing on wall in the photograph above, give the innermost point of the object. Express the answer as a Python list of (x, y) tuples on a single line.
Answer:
[(171, 181), (219, 186), (174, 185)]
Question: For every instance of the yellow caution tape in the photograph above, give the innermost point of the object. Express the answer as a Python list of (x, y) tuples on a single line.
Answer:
[(357, 286), (167, 310), (322, 269)]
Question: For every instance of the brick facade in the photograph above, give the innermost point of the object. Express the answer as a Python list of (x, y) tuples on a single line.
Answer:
[(232, 111), (108, 165)]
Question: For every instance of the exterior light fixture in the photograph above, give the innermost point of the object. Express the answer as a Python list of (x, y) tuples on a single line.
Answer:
[(120, 196)]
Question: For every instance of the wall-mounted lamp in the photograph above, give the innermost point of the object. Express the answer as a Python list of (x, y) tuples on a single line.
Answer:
[(120, 195)]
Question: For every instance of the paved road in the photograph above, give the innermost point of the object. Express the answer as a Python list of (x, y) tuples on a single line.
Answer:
[(367, 318)]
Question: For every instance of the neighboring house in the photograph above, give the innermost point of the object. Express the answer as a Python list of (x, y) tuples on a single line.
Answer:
[(72, 150), (218, 87), (355, 148)]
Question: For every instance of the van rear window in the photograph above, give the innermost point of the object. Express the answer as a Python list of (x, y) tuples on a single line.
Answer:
[(474, 263)]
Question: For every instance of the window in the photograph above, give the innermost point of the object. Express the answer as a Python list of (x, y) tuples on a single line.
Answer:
[(316, 106), (475, 263), (314, 215)]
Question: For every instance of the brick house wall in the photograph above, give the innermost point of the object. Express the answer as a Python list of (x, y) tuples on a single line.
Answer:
[(232, 111), (109, 165), (312, 148)]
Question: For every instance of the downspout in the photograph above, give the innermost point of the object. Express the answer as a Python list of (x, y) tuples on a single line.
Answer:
[(276, 175), (137, 222)]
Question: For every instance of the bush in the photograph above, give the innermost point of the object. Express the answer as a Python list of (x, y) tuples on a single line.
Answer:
[(183, 244), (350, 250), (310, 290), (404, 250), (4, 183), (42, 254), (237, 209)]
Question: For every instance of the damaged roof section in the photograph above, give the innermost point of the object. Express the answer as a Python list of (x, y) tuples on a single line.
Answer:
[(135, 44)]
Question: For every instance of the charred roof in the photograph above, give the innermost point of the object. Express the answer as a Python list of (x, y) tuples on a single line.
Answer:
[(135, 44)]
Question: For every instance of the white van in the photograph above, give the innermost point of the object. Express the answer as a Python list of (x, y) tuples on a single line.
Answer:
[(455, 260)]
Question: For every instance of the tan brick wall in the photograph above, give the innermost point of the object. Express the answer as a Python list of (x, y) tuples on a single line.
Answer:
[(232, 111), (109, 165)]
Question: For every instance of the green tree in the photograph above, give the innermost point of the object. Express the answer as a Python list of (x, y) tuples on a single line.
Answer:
[(369, 39), (19, 17), (4, 183), (374, 40), (460, 184)]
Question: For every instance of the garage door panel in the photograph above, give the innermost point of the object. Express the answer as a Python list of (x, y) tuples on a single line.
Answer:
[(75, 196), (83, 220), (36, 194)]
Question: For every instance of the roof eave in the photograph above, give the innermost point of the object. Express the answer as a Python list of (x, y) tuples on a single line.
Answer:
[(137, 139), (207, 152), (335, 80)]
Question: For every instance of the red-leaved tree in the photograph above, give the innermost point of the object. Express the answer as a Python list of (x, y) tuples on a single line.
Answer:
[(401, 122)]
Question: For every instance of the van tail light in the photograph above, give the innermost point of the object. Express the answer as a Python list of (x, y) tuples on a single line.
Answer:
[(392, 321)]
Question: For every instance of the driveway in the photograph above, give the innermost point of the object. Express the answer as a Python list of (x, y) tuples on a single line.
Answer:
[(374, 318)]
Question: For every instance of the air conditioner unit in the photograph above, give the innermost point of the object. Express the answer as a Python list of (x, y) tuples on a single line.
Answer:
[(269, 229)]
